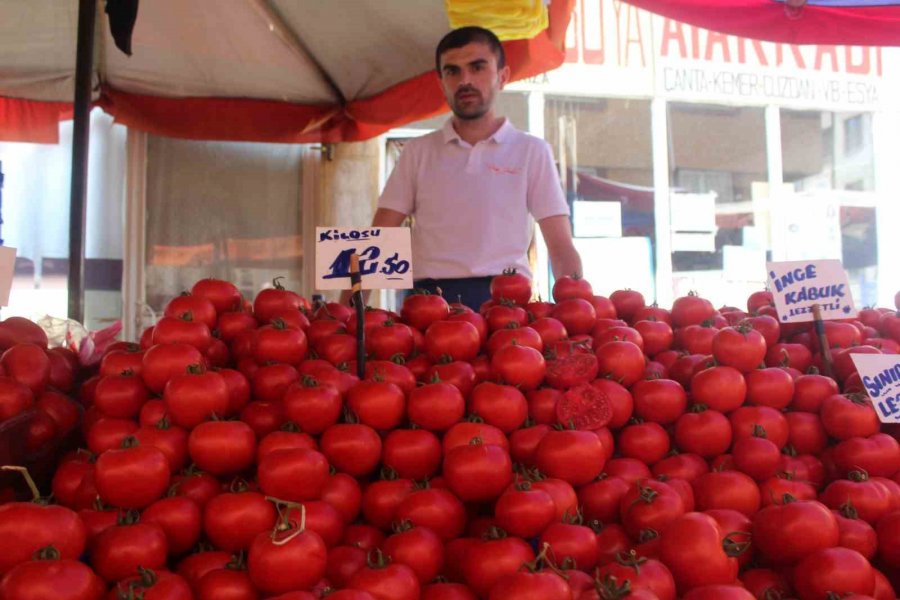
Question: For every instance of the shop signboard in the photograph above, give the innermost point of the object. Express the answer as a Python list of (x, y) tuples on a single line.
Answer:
[(615, 49), (385, 257), (880, 374), (799, 285)]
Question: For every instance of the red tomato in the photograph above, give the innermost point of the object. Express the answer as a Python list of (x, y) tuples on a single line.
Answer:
[(744, 422), (756, 456), (435, 406), (279, 342), (639, 575), (343, 493), (838, 571), (477, 472), (65, 579), (273, 300), (871, 499), (691, 310), (170, 440), (293, 475), (412, 453), (118, 551), (519, 366), (546, 585), (888, 530), (490, 560), (692, 550), (64, 368), (378, 404), (153, 585), (165, 361), (194, 397), (232, 521), (19, 330), (313, 407), (27, 364), (718, 592), (740, 347), (134, 476), (229, 582), (524, 511), (382, 498), (647, 442), (15, 398), (421, 310), (659, 400), (703, 432), (457, 339), (576, 314), (354, 449), (786, 533), (855, 533), (222, 447), (435, 508), (182, 330), (571, 370), (389, 339), (502, 406), (383, 580), (26, 527), (727, 489), (849, 415), (623, 362), (576, 457), (418, 548), (649, 504), (223, 294), (573, 286), (807, 435), (179, 518), (290, 559)]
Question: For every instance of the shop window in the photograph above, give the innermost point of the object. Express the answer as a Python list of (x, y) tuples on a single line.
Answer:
[(828, 209), (35, 213), (717, 161), (221, 209), (604, 152)]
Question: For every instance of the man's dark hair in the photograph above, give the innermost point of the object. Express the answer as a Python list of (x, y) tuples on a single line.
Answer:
[(466, 35)]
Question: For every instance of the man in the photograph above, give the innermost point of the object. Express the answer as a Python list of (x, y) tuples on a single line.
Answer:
[(475, 187)]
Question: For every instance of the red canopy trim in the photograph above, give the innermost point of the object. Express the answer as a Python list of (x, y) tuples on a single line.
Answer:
[(242, 119), (32, 120), (783, 22)]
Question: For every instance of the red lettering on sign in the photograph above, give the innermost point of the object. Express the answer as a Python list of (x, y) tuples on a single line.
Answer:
[(714, 39), (757, 49), (821, 52), (795, 52), (631, 36), (863, 66), (673, 31)]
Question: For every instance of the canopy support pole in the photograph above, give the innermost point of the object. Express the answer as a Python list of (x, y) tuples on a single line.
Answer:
[(84, 68)]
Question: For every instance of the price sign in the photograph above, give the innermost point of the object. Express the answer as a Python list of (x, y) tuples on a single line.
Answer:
[(798, 285), (385, 257), (880, 374)]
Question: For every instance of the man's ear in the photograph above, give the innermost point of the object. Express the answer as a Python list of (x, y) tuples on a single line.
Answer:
[(504, 76)]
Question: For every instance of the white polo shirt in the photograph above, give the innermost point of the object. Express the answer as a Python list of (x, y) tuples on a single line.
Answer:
[(473, 207)]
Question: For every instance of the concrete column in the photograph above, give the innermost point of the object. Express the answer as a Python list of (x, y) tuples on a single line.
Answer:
[(348, 189)]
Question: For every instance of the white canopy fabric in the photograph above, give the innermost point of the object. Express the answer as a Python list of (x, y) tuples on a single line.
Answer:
[(291, 70)]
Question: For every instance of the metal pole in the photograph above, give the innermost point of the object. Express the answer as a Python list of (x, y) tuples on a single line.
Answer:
[(84, 68)]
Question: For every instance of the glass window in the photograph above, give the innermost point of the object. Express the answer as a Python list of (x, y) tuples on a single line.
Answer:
[(828, 208), (221, 209), (717, 161), (604, 153), (35, 211)]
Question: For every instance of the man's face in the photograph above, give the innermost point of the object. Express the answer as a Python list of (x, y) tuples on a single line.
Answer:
[(470, 79)]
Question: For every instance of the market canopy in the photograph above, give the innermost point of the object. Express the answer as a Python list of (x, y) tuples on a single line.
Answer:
[(838, 22), (261, 70)]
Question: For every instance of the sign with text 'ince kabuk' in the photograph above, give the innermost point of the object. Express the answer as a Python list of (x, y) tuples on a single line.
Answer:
[(880, 375), (798, 285), (385, 257)]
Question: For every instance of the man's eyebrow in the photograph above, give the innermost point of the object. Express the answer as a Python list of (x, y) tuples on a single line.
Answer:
[(478, 61)]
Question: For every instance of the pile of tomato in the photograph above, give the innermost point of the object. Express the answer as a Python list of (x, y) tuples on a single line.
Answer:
[(587, 448)]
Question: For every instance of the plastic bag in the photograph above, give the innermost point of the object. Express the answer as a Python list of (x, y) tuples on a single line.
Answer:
[(88, 345)]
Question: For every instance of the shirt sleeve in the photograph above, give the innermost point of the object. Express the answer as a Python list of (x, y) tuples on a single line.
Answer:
[(545, 194), (399, 192)]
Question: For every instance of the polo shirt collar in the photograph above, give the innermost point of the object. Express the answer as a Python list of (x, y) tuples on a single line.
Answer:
[(500, 136)]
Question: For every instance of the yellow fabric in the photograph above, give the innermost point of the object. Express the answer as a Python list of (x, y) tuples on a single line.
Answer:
[(508, 19)]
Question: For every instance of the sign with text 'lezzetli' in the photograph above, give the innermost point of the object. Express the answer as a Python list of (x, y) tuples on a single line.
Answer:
[(880, 374), (798, 285), (385, 257)]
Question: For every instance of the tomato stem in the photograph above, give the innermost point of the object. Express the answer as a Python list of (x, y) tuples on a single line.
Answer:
[(35, 492)]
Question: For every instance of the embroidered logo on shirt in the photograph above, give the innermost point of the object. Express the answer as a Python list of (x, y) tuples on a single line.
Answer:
[(504, 170)]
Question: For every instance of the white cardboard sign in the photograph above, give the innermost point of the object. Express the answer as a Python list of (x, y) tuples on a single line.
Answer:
[(798, 285), (385, 257), (7, 271), (880, 375)]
